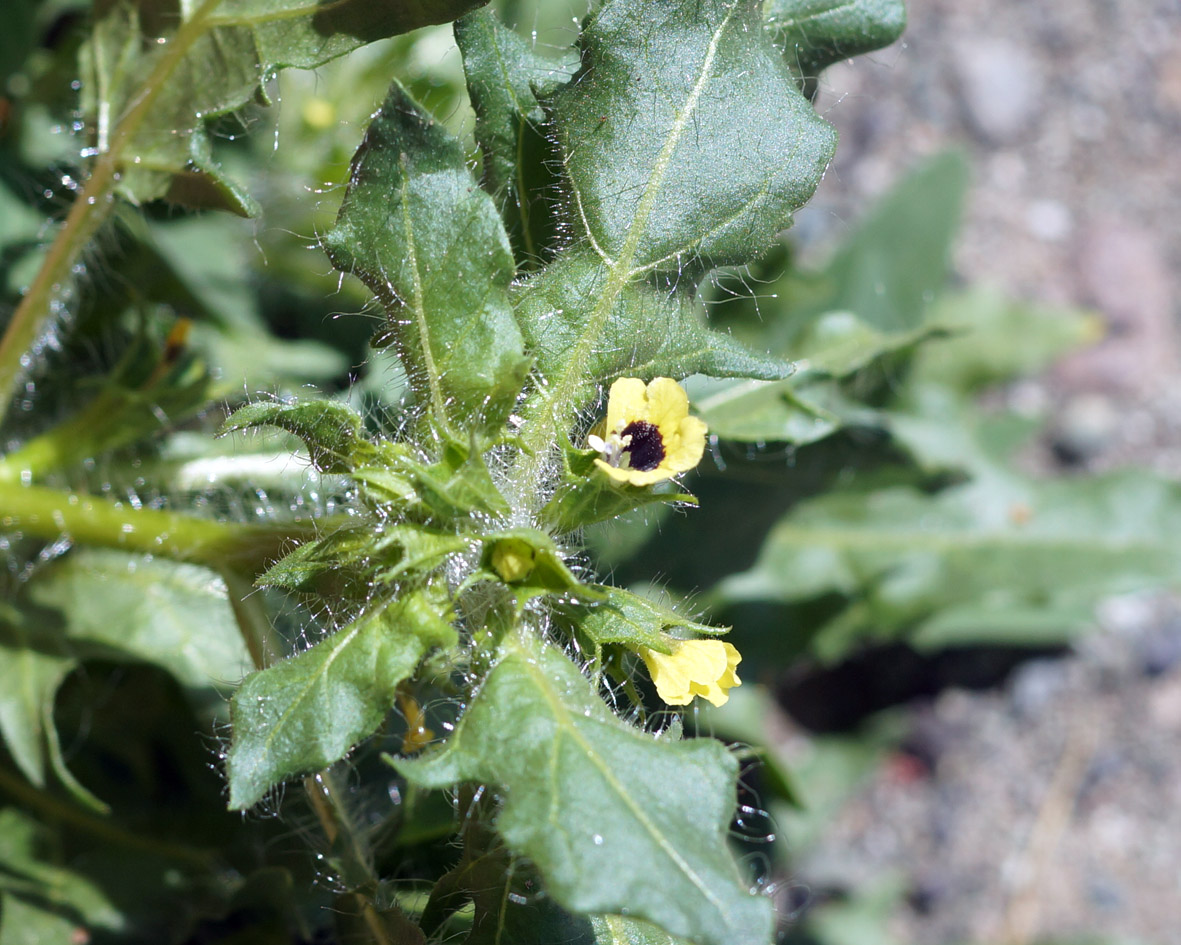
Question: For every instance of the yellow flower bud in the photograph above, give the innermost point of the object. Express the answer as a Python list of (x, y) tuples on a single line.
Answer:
[(694, 668), (512, 559)]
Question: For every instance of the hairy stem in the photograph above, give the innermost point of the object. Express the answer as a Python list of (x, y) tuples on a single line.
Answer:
[(90, 209), (49, 514)]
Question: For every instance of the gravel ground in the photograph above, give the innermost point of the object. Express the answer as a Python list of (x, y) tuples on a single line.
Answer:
[(1050, 807)]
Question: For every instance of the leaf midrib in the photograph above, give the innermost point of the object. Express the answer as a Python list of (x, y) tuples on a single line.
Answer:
[(566, 724), (562, 400)]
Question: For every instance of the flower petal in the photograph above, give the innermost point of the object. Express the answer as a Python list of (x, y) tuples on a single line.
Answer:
[(687, 445), (668, 404), (694, 668), (626, 402)]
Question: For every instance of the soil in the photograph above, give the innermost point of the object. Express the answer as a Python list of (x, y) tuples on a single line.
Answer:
[(1048, 806)]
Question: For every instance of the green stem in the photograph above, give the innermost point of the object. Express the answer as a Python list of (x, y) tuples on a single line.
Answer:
[(92, 520), (56, 810), (92, 206)]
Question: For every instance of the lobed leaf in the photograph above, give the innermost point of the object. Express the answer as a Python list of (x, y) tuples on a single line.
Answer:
[(683, 135), (432, 248), (647, 333), (308, 711), (634, 824)]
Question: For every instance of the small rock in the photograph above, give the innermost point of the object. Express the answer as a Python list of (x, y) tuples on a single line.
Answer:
[(1049, 220), (1001, 88), (1086, 426), (1159, 649), (1035, 685), (1164, 706)]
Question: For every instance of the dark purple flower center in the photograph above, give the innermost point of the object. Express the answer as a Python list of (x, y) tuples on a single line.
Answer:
[(646, 449)]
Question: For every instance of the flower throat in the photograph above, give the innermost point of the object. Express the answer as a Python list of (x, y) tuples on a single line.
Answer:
[(646, 449)]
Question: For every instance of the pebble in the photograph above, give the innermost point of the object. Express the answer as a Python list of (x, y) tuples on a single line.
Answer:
[(1001, 87)]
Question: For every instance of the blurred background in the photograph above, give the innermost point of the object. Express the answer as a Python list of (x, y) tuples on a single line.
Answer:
[(1042, 806), (973, 734)]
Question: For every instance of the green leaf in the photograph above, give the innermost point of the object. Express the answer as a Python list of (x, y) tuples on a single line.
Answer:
[(332, 431), (994, 339), (131, 607), (361, 559), (458, 485), (634, 824), (684, 144), (648, 333), (899, 258), (155, 385), (887, 273), (432, 248), (505, 79), (33, 662), (152, 80), (36, 892), (23, 923), (816, 33), (620, 930), (684, 137), (812, 403), (306, 712), (1002, 558), (631, 620), (798, 412), (114, 606), (201, 265)]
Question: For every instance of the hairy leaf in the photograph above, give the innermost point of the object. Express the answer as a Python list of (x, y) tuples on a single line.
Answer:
[(432, 248), (627, 618), (620, 930), (361, 558), (635, 825), (683, 135), (505, 79), (684, 144), (816, 33), (331, 431), (648, 332), (586, 495), (307, 711), (153, 80)]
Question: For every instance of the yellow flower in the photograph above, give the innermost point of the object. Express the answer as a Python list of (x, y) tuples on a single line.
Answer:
[(694, 668), (648, 435)]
